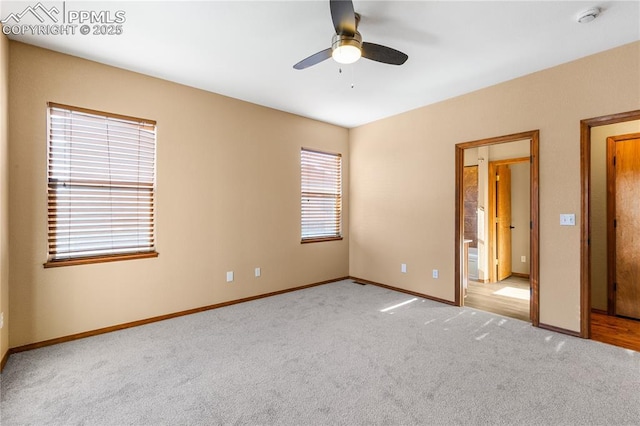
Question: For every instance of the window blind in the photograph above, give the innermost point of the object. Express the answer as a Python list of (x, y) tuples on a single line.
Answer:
[(321, 183), (101, 184)]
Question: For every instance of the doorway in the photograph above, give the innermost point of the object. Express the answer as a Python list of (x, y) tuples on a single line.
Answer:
[(485, 214), (594, 247)]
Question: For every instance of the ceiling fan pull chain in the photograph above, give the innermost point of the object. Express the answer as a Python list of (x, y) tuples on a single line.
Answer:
[(353, 76)]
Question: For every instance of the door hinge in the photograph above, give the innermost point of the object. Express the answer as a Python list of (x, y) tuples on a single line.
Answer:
[(614, 161), (531, 225), (497, 178), (497, 262), (615, 286), (615, 223), (531, 159)]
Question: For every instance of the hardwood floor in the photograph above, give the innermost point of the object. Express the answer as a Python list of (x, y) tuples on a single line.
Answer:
[(508, 297), (616, 331), (613, 330)]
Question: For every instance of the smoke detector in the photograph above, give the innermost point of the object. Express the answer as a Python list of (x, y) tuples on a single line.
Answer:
[(589, 15)]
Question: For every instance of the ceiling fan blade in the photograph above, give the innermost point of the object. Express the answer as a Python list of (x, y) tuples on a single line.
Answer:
[(313, 59), (383, 54), (343, 16)]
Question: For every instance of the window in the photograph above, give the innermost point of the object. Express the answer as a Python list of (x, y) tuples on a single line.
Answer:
[(321, 201), (101, 186)]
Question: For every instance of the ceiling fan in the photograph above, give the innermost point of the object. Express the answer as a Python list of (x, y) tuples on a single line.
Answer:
[(347, 45)]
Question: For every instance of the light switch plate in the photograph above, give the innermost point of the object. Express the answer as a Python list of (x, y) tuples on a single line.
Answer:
[(568, 219), (403, 268), (230, 276)]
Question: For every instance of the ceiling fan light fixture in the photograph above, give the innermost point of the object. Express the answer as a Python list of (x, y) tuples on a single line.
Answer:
[(346, 49), (346, 54)]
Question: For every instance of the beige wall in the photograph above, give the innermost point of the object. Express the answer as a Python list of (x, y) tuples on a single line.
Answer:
[(228, 190), (227, 199), (4, 193), (599, 137), (402, 175)]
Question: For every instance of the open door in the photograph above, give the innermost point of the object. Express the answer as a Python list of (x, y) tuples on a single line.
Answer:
[(500, 218), (503, 222), (623, 224)]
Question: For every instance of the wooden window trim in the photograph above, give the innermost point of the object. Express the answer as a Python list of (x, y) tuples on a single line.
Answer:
[(339, 197), (52, 207), (102, 113)]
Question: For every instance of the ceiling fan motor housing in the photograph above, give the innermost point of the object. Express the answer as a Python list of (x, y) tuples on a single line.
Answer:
[(340, 40)]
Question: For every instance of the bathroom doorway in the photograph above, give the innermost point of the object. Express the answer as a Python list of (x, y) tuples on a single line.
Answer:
[(496, 225)]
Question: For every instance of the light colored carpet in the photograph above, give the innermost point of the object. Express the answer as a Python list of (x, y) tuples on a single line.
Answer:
[(326, 355)]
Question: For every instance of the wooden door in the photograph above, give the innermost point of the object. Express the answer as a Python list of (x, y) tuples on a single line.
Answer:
[(503, 222), (623, 223)]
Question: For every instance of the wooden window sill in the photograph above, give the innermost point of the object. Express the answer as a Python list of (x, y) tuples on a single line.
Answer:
[(319, 240), (99, 259)]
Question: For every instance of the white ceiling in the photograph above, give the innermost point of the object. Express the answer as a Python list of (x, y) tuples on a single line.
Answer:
[(247, 49)]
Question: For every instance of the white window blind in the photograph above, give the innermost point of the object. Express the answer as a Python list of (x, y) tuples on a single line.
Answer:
[(101, 184), (321, 195)]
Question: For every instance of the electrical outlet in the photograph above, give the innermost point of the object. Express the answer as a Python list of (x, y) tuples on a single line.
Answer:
[(257, 272), (230, 276), (403, 268), (435, 273), (523, 259)]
